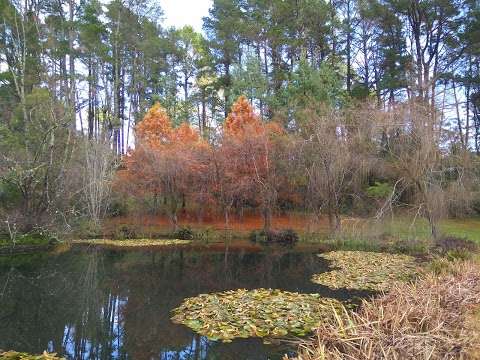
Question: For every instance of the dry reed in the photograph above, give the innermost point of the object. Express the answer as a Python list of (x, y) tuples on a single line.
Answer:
[(430, 319)]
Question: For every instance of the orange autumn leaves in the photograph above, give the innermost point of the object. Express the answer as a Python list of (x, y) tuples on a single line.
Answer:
[(175, 165), (242, 122), (156, 130), (164, 166)]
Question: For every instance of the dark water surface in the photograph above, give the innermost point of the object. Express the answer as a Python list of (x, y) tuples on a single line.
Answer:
[(93, 303)]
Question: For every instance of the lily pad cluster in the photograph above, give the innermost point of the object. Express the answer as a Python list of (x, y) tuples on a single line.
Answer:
[(134, 243), (14, 355), (253, 313), (366, 270)]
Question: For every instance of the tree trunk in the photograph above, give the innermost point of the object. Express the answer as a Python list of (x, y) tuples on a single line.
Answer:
[(267, 219)]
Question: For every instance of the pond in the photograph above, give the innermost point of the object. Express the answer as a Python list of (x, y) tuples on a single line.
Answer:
[(94, 303)]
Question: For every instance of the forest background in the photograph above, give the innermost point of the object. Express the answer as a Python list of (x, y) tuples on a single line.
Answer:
[(338, 110)]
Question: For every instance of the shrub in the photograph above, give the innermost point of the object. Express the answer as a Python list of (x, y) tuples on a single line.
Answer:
[(405, 246), (287, 236), (86, 229), (184, 233), (117, 208), (204, 235), (379, 190), (39, 237), (258, 236), (125, 232), (440, 266), (284, 237), (454, 247), (9, 195), (476, 206)]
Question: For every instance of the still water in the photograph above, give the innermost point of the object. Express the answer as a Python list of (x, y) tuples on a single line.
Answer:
[(93, 303)]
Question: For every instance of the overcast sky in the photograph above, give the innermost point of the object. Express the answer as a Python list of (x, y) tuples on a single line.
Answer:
[(185, 12)]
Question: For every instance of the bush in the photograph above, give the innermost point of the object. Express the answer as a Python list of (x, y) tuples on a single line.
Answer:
[(125, 232), (476, 206), (258, 236), (379, 190), (284, 237), (39, 237), (204, 235), (86, 229), (405, 246), (9, 195), (287, 236), (454, 247), (117, 208), (184, 233)]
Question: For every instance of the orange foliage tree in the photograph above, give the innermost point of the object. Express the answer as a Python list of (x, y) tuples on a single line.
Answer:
[(241, 168), (248, 158), (165, 164)]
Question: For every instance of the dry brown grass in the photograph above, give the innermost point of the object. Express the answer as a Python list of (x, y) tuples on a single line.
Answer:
[(431, 319)]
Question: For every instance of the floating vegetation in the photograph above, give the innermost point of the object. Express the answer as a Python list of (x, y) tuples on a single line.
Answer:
[(366, 270), (253, 313), (134, 243), (14, 355)]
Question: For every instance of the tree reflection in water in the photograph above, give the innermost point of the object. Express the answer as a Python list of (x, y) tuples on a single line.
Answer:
[(104, 304)]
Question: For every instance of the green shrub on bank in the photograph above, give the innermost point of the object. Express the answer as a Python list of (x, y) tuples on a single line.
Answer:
[(33, 238), (206, 235), (184, 233)]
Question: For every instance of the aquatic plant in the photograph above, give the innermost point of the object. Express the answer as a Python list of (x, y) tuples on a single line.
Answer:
[(435, 318), (253, 313), (134, 243), (365, 270), (14, 355)]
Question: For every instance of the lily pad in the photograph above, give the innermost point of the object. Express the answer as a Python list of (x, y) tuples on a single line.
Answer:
[(253, 313), (366, 270), (134, 243), (14, 355)]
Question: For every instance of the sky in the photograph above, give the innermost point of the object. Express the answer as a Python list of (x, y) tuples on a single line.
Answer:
[(185, 12)]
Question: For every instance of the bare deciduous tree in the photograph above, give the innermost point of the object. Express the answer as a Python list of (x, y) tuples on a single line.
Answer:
[(98, 169), (335, 157), (429, 176)]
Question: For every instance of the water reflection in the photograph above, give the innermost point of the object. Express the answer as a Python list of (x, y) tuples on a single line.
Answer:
[(105, 304)]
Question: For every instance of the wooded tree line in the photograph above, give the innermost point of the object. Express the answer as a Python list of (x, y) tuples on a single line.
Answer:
[(77, 76), (361, 160)]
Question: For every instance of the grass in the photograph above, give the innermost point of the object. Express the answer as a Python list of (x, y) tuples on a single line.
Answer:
[(400, 234), (406, 228), (464, 228), (473, 326), (430, 319)]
